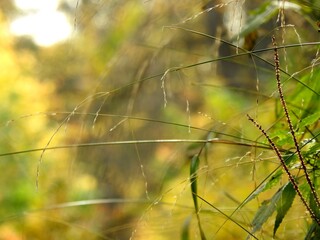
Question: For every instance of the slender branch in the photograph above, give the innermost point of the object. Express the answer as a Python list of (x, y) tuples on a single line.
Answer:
[(286, 169), (292, 132)]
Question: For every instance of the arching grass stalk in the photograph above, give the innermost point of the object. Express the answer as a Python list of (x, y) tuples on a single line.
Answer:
[(146, 141), (163, 75), (253, 53)]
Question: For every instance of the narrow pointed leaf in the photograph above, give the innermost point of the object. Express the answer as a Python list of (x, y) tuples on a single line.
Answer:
[(265, 211), (286, 200), (194, 166)]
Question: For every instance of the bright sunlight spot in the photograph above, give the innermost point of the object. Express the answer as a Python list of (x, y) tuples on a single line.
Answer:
[(43, 22)]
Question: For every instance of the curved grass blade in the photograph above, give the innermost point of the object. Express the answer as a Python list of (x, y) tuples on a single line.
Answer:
[(253, 53)]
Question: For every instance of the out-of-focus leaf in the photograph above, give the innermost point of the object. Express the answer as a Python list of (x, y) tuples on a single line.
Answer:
[(287, 197), (310, 7), (258, 17), (314, 149), (312, 156), (313, 204), (185, 229), (281, 137), (290, 158), (263, 14), (311, 119), (313, 232)]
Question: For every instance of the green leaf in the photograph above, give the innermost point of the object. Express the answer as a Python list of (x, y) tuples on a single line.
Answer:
[(313, 204), (267, 208), (314, 149), (264, 212), (310, 119), (281, 137), (265, 186), (313, 232), (287, 197), (194, 166), (185, 229)]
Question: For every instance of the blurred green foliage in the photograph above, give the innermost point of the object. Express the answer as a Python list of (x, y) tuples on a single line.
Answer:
[(158, 71)]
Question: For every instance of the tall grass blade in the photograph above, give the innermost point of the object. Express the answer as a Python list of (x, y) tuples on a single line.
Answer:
[(194, 166)]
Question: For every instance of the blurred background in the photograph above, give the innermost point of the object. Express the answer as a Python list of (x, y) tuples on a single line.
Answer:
[(84, 82)]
